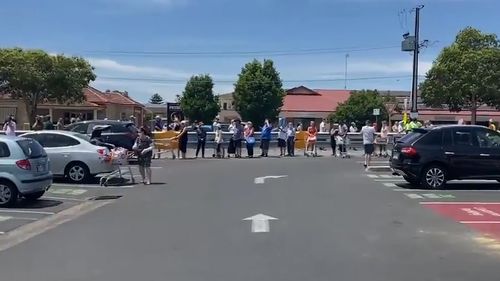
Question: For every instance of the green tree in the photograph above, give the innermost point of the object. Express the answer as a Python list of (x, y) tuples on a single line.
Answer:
[(198, 101), (37, 77), (465, 75), (359, 107), (258, 92), (156, 99)]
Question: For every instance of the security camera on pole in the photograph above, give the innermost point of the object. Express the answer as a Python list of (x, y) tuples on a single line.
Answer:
[(412, 44)]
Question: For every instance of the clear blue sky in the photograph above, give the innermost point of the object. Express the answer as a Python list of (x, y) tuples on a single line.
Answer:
[(97, 29)]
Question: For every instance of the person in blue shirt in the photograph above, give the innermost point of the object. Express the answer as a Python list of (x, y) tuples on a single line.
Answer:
[(265, 137)]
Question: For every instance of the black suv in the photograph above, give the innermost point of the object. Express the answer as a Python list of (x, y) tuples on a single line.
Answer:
[(430, 157), (121, 134)]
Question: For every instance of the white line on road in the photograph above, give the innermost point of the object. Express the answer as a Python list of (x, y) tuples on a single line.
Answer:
[(4, 218), (389, 184), (396, 180), (26, 212), (480, 222), (63, 198), (261, 180), (372, 176), (2, 233), (459, 203), (260, 222), (413, 196)]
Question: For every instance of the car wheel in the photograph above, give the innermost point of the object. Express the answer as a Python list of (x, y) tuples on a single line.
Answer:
[(8, 194), (434, 177), (412, 181), (34, 196), (77, 172)]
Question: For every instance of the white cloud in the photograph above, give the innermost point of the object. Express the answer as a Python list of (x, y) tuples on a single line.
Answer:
[(114, 66)]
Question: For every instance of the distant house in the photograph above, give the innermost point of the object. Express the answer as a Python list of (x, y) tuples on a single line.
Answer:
[(302, 104), (113, 105)]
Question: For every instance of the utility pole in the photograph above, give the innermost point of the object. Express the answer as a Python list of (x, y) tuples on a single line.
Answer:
[(416, 50), (345, 72)]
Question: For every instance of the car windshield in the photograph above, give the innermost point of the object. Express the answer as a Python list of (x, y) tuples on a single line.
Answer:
[(31, 148)]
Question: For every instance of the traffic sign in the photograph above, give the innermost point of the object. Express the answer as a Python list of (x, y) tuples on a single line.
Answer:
[(376, 111)]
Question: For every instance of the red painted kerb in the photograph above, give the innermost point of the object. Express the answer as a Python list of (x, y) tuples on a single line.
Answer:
[(481, 216)]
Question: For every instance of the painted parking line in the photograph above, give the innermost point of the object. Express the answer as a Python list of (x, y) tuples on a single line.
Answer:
[(26, 212), (4, 218), (67, 191), (429, 196), (63, 198)]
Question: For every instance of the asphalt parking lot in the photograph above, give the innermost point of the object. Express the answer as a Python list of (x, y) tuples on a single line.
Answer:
[(474, 203), (61, 196)]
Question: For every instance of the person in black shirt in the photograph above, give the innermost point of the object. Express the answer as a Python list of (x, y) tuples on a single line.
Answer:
[(202, 138), (143, 147)]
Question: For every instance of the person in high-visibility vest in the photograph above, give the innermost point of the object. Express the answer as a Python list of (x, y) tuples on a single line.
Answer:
[(413, 124)]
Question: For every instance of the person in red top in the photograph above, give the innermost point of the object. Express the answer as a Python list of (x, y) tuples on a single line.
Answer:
[(311, 136)]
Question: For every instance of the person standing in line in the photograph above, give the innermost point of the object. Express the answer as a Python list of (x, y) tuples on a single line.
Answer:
[(282, 137), (237, 137), (312, 133), (322, 126), (202, 139), (10, 126), (218, 141), (182, 137), (38, 126), (334, 132), (383, 139), (368, 133), (491, 125), (60, 124), (143, 147), (395, 127), (249, 138), (352, 129), (343, 130), (216, 123), (47, 124), (158, 124), (290, 139), (299, 127), (265, 138)]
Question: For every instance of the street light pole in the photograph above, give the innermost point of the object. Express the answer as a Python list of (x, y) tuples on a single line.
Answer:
[(416, 50), (345, 72)]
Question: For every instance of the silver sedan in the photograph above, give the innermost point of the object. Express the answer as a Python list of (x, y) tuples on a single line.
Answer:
[(72, 155)]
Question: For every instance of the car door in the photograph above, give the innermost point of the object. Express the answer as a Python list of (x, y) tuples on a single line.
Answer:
[(463, 154), (489, 145), (59, 148)]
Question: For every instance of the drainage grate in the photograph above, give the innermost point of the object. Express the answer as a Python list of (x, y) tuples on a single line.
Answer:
[(107, 197)]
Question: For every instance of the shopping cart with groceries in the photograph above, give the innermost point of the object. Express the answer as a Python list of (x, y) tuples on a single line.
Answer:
[(122, 174)]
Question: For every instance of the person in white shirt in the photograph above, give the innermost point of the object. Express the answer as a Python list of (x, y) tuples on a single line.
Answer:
[(368, 133), (10, 126), (322, 126), (383, 139), (218, 140)]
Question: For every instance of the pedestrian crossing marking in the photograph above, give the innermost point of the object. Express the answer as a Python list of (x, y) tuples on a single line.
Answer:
[(429, 196), (389, 184), (67, 191), (372, 176), (387, 177), (4, 218)]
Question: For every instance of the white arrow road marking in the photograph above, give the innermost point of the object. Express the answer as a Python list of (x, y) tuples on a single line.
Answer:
[(260, 222), (261, 180)]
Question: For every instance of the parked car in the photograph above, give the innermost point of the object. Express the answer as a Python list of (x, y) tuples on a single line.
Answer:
[(431, 157), (72, 155), (121, 134), (24, 170)]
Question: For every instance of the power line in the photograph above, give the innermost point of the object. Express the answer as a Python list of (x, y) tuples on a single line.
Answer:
[(240, 53), (182, 81)]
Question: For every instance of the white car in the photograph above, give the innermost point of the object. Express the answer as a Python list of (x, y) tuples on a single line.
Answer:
[(72, 155)]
